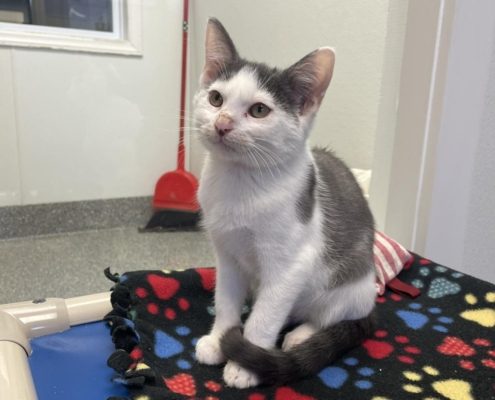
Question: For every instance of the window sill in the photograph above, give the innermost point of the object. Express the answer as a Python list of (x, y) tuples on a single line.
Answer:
[(129, 44), (70, 43)]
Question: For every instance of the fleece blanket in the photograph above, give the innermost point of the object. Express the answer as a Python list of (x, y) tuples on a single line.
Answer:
[(440, 345)]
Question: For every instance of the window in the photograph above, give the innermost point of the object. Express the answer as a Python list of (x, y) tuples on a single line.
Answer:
[(109, 26)]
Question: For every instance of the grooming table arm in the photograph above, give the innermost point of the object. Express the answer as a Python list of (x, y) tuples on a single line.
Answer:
[(20, 322)]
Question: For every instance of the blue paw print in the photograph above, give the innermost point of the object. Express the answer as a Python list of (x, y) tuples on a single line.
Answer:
[(441, 286), (416, 320), (166, 346), (335, 377)]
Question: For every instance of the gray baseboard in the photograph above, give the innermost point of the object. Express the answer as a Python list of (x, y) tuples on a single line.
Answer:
[(45, 219)]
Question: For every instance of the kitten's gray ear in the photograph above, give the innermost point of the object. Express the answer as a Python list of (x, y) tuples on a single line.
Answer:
[(219, 51), (310, 77)]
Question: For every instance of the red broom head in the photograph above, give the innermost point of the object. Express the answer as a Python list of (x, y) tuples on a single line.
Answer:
[(176, 190)]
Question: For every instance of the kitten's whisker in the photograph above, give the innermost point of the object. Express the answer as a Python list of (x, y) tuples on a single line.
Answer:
[(252, 157), (275, 159), (194, 130), (272, 160), (274, 156), (262, 159), (287, 146), (190, 119)]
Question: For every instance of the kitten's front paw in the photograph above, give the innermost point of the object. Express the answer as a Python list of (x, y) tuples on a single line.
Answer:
[(208, 350), (236, 376)]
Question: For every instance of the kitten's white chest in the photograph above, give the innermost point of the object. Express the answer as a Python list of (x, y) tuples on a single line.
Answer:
[(232, 201), (248, 216), (241, 244), (238, 214)]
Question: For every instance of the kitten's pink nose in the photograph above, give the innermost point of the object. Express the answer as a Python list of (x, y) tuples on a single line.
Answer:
[(224, 124)]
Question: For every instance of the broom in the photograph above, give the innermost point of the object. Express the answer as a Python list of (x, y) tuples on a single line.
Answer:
[(174, 202)]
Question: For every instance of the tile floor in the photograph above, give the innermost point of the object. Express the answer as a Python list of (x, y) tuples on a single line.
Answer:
[(72, 264)]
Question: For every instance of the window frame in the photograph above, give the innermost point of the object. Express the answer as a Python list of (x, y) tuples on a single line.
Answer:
[(126, 38)]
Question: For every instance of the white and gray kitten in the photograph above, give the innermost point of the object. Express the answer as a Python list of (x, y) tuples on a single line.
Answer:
[(289, 225)]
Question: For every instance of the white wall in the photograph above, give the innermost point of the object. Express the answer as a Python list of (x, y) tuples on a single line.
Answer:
[(77, 126), (280, 32), (10, 185), (461, 226)]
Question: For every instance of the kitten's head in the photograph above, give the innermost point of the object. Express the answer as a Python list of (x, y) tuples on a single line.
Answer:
[(254, 114)]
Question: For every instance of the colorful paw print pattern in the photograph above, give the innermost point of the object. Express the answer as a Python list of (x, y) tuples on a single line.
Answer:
[(479, 350), (440, 345), (429, 379), (443, 282), (415, 317), (484, 315), (335, 376), (382, 346)]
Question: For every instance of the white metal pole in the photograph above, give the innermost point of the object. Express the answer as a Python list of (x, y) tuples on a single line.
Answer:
[(22, 321), (15, 376)]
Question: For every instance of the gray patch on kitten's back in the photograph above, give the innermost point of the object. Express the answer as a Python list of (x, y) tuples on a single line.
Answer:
[(348, 223), (306, 200)]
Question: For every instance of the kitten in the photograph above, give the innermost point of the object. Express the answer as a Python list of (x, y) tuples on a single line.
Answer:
[(290, 226)]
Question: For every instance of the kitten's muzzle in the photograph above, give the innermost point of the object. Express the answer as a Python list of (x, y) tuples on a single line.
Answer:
[(224, 124)]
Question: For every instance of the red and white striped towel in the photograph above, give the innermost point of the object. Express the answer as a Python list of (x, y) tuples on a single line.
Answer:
[(390, 258)]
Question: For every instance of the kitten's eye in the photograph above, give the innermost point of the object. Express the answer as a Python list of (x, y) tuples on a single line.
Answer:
[(215, 98), (259, 110)]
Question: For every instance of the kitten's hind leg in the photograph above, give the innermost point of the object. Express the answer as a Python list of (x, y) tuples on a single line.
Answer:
[(298, 335)]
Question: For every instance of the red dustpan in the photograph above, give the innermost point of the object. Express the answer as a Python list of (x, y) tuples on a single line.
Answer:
[(174, 202)]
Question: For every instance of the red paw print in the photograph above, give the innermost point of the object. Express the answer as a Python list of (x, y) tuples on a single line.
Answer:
[(456, 347), (380, 349), (182, 384), (164, 289)]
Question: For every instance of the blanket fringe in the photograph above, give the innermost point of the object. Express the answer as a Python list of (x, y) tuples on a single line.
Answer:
[(109, 275), (126, 360)]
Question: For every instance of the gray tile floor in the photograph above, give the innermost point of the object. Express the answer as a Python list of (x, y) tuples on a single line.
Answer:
[(72, 264)]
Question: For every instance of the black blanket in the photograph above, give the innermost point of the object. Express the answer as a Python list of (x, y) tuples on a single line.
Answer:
[(440, 345)]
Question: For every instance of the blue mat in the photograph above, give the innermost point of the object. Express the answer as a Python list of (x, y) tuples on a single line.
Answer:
[(73, 364)]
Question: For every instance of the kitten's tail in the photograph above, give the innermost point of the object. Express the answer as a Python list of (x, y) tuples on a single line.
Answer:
[(275, 366)]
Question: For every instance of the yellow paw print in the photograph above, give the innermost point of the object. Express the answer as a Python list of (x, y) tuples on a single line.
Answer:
[(483, 316), (452, 389)]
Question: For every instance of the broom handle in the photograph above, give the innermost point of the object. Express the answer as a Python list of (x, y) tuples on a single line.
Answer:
[(185, 27)]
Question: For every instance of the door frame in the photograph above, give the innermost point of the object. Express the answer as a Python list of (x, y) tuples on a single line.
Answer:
[(403, 166)]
